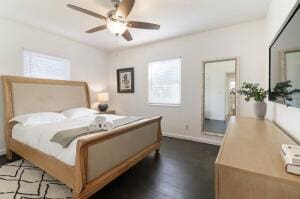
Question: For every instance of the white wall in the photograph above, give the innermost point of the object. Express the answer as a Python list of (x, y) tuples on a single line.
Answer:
[(87, 63), (246, 41), (286, 117), (215, 88)]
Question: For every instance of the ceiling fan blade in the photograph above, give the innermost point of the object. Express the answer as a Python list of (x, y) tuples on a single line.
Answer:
[(125, 8), (96, 29), (127, 35), (86, 11), (143, 25)]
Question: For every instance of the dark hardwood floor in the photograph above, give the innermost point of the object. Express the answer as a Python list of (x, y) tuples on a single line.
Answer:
[(182, 170)]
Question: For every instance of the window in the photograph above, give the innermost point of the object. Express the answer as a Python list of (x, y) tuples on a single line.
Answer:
[(45, 66), (165, 82)]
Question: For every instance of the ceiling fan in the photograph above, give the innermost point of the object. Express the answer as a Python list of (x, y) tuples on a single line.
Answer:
[(116, 19)]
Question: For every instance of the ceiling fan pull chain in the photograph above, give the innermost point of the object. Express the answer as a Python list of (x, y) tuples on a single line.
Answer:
[(117, 42)]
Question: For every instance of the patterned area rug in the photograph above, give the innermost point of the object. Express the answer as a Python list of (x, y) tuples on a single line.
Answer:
[(21, 180)]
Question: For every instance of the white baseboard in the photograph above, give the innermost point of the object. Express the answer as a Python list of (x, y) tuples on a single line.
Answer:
[(195, 139), (2, 151)]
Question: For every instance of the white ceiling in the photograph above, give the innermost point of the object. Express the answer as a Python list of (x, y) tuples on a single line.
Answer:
[(176, 17)]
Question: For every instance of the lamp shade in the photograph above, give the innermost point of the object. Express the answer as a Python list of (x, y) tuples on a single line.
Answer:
[(102, 97), (116, 27)]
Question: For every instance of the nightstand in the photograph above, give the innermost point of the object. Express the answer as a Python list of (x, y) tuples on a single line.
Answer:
[(107, 112)]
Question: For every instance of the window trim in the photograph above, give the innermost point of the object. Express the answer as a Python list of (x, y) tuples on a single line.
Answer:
[(68, 75), (150, 84), (165, 105)]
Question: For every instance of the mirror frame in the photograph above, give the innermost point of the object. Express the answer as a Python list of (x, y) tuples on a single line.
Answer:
[(237, 86), (276, 37)]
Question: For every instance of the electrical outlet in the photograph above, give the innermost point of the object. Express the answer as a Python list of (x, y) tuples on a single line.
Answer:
[(186, 127)]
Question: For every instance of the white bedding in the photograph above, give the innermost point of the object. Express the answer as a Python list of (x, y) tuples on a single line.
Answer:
[(39, 136)]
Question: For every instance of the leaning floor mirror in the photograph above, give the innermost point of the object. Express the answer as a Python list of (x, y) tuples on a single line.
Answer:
[(219, 95)]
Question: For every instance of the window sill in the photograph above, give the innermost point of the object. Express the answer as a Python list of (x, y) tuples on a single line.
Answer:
[(165, 105)]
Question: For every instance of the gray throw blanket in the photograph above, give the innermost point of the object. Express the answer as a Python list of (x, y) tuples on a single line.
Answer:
[(65, 137)]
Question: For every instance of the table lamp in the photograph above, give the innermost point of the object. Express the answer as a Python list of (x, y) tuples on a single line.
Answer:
[(102, 97)]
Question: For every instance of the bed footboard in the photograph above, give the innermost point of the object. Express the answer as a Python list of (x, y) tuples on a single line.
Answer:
[(103, 157)]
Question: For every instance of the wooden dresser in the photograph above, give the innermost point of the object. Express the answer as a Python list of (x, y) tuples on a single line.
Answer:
[(249, 165)]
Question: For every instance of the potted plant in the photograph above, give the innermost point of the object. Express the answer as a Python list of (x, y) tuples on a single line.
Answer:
[(256, 92)]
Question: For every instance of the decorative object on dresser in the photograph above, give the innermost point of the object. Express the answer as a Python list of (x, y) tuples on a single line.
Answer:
[(102, 97), (290, 155), (125, 78), (250, 90)]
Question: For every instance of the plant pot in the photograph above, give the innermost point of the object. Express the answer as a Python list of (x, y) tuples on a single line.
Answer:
[(260, 110)]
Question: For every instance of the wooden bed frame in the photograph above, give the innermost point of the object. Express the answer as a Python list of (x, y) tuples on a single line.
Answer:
[(75, 177)]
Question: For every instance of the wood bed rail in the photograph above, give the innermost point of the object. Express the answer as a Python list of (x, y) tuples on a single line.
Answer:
[(118, 131), (83, 144)]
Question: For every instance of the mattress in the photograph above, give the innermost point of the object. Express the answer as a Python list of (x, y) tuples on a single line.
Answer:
[(38, 137)]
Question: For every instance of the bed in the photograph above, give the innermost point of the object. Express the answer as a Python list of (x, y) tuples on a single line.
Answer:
[(97, 159)]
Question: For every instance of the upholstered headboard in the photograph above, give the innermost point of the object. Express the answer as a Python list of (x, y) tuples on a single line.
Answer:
[(29, 95)]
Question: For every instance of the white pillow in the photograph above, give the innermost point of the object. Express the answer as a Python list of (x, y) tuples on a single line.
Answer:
[(78, 112), (38, 118)]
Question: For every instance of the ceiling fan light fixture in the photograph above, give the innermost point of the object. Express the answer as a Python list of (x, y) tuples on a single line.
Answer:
[(116, 19), (116, 27)]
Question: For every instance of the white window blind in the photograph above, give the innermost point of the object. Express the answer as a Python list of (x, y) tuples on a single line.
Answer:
[(165, 82), (44, 66)]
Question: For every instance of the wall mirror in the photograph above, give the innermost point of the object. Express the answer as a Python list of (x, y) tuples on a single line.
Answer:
[(219, 95), (284, 85)]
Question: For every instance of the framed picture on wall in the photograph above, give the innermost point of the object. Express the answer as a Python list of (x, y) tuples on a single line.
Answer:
[(125, 79)]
